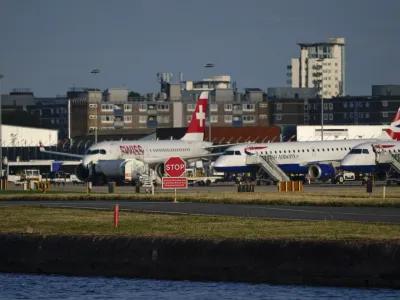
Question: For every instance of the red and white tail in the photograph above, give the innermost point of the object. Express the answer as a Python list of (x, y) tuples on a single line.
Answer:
[(197, 125), (394, 130)]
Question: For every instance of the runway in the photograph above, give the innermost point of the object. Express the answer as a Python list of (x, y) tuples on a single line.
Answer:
[(310, 213)]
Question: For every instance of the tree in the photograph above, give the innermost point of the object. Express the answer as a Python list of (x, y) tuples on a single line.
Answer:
[(133, 94)]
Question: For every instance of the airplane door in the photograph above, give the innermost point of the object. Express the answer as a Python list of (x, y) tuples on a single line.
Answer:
[(313, 151)]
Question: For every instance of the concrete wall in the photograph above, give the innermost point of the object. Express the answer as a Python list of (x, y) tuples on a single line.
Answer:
[(333, 263)]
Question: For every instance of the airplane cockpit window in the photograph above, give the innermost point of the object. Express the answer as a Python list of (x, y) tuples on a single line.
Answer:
[(87, 152), (228, 152), (356, 151), (237, 153), (94, 152), (102, 151), (365, 151)]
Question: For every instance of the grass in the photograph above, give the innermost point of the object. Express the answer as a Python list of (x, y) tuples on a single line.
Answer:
[(331, 198), (59, 221)]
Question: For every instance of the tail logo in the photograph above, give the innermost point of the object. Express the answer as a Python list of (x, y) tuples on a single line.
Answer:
[(201, 115)]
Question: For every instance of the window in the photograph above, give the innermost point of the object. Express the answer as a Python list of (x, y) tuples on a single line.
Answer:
[(366, 104), (107, 119), (92, 117), (228, 107), (163, 107), (325, 117), (128, 119), (325, 106), (214, 107), (385, 114), (214, 119), (344, 104), (228, 119), (279, 106), (330, 117), (127, 107), (262, 117), (191, 107), (248, 107), (142, 119), (189, 118), (163, 119), (384, 103), (142, 107), (249, 119), (367, 115), (278, 117), (107, 107), (92, 105), (330, 106)]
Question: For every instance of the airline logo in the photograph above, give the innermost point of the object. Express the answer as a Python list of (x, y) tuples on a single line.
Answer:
[(132, 150), (248, 149), (201, 115), (394, 130)]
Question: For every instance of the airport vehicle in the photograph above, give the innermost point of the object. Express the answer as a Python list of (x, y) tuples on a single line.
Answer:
[(131, 161), (319, 159), (199, 177)]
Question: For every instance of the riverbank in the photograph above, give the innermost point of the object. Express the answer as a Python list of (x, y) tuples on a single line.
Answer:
[(328, 263), (326, 198), (184, 247)]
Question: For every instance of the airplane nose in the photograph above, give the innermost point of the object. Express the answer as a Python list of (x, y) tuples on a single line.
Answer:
[(218, 165)]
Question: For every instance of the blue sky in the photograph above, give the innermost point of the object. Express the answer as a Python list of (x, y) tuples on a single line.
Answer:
[(50, 45)]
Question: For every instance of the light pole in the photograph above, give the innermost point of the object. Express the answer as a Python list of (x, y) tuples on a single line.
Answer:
[(209, 66), (1, 131), (95, 72), (320, 89)]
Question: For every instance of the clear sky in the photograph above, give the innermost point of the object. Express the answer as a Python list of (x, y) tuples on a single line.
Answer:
[(50, 45)]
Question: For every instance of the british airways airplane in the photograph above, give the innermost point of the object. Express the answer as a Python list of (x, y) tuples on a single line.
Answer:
[(362, 158), (115, 159), (319, 159)]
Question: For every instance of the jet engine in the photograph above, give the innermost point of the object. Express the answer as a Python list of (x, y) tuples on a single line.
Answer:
[(321, 171), (128, 170), (82, 173), (160, 170)]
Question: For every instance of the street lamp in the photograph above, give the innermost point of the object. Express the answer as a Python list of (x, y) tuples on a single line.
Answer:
[(209, 66), (320, 89), (95, 72), (1, 132)]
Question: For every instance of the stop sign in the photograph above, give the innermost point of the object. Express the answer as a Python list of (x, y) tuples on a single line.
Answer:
[(175, 166)]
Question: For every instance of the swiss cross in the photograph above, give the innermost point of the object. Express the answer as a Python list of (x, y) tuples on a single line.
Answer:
[(200, 115)]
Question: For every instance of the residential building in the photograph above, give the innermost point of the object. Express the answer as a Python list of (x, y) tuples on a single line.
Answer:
[(320, 65)]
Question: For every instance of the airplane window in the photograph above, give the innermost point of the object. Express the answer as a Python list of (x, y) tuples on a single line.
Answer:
[(313, 150), (333, 149), (323, 149), (303, 150), (88, 152), (308, 150), (228, 152), (276, 152), (318, 150), (337, 149), (280, 151), (365, 151), (102, 151), (284, 151), (356, 151), (341, 149), (237, 153), (327, 149)]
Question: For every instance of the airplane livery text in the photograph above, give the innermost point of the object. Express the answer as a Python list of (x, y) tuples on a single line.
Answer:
[(136, 150)]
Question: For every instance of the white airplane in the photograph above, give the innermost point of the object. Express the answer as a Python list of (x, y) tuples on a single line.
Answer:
[(125, 159), (362, 158), (319, 159)]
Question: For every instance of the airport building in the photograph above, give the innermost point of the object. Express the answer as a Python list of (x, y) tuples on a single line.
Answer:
[(320, 65)]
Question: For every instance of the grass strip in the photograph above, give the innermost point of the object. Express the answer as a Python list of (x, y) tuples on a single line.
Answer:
[(328, 198), (63, 221)]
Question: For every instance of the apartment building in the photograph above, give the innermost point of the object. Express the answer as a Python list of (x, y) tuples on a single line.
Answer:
[(320, 65)]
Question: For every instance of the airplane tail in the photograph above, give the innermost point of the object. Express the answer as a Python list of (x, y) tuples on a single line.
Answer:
[(394, 130), (197, 125)]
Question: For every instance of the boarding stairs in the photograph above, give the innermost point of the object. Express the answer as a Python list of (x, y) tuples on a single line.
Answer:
[(145, 176), (386, 157), (269, 165)]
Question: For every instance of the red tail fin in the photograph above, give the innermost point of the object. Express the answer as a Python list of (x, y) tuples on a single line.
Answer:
[(394, 130), (198, 123)]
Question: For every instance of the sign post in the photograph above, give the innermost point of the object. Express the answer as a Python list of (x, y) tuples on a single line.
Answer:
[(175, 168)]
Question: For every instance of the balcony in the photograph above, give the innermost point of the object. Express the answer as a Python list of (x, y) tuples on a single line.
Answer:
[(317, 74)]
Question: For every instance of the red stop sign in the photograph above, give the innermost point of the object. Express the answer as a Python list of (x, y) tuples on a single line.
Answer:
[(175, 166)]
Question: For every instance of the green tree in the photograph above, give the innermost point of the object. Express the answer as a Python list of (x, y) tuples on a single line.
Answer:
[(133, 94)]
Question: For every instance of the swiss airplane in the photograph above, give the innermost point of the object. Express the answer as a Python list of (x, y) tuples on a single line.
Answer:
[(319, 159), (116, 159)]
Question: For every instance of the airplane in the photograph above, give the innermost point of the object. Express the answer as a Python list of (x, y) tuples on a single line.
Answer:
[(319, 159), (362, 158), (131, 159)]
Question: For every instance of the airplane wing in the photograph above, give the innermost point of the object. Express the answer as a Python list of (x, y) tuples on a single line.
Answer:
[(59, 153), (226, 145), (186, 158)]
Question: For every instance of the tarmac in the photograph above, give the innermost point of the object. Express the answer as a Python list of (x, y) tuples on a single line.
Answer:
[(310, 213)]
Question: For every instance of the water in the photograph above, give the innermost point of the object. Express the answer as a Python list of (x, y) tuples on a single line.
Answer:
[(17, 286)]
